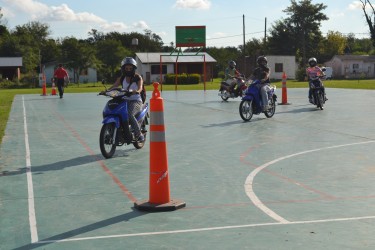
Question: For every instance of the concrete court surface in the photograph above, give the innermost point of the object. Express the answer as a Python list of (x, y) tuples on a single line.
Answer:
[(303, 179)]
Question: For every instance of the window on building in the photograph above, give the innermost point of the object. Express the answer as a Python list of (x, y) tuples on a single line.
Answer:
[(84, 72), (155, 69), (355, 66), (279, 68)]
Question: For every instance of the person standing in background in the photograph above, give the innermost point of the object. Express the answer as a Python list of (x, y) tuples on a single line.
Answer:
[(61, 75)]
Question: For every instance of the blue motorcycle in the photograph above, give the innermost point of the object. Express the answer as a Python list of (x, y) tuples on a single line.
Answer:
[(116, 130), (252, 103)]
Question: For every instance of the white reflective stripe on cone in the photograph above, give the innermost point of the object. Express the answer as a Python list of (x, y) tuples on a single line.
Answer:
[(157, 118), (157, 136)]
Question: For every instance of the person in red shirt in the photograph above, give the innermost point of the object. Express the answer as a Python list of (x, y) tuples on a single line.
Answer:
[(61, 74)]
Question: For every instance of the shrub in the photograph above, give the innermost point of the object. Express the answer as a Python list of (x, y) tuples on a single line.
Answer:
[(182, 79)]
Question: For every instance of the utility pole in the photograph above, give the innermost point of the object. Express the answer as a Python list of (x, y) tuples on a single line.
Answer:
[(244, 51)]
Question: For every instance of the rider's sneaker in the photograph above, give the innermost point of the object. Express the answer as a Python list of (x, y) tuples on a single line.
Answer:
[(266, 108), (311, 101)]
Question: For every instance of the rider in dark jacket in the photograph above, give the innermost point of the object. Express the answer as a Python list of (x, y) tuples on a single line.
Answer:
[(262, 73)]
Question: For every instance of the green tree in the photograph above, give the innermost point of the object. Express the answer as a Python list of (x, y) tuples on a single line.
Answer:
[(281, 40), (305, 19), (110, 53), (333, 44), (223, 56), (31, 37), (77, 56), (369, 18), (299, 34)]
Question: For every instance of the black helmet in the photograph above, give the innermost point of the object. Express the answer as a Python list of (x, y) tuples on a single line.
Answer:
[(128, 61), (313, 62), (262, 61), (232, 64)]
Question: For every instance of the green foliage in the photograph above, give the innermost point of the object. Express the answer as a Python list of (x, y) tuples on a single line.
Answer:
[(7, 84), (182, 79), (301, 74)]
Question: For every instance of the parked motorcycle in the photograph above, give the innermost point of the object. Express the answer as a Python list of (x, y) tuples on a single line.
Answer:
[(252, 103), (116, 130), (227, 91)]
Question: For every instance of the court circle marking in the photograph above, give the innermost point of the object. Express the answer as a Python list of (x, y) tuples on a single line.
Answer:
[(250, 178)]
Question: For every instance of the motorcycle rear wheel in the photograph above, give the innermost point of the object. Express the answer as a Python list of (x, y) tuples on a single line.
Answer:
[(246, 110), (106, 142)]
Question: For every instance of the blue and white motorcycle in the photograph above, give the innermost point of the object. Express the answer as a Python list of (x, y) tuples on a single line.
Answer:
[(252, 102), (116, 130)]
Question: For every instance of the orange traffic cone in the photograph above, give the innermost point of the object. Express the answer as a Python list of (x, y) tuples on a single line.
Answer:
[(53, 89), (44, 90), (284, 95), (159, 193)]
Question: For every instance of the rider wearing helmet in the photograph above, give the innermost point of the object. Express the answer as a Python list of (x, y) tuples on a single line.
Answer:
[(230, 73), (313, 73), (262, 73), (132, 82)]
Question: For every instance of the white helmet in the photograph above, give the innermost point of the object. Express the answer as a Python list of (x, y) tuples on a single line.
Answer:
[(130, 61), (313, 62)]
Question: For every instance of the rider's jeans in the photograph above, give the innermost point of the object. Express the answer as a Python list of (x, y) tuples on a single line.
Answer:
[(264, 93), (133, 108)]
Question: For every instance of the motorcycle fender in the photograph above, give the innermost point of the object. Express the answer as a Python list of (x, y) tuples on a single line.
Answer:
[(143, 112), (248, 98), (112, 119)]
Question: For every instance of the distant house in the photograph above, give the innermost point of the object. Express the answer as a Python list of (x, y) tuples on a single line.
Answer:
[(352, 66), (10, 67), (149, 64), (280, 64), (85, 76)]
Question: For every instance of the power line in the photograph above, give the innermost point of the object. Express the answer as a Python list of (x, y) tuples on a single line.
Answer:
[(234, 35)]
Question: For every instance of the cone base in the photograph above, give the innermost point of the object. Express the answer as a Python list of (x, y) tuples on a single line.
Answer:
[(172, 205)]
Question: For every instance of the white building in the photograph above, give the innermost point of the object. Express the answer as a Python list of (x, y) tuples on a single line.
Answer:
[(85, 76), (148, 64), (352, 66), (10, 67), (280, 64)]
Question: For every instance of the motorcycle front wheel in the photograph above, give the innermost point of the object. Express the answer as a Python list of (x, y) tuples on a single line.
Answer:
[(246, 110), (106, 140), (224, 95), (269, 113), (320, 99)]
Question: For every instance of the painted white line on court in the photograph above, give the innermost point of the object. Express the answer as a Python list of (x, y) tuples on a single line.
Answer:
[(205, 229), (249, 180), (30, 190)]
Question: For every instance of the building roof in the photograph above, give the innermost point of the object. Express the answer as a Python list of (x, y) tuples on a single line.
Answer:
[(365, 58), (185, 57), (10, 61)]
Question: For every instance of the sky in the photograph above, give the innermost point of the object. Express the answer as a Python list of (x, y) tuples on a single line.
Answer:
[(223, 18)]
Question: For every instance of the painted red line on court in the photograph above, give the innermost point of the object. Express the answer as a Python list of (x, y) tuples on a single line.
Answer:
[(101, 163)]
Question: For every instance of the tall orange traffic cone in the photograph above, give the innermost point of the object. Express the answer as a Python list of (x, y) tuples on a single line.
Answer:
[(44, 89), (159, 193), (53, 89), (284, 94)]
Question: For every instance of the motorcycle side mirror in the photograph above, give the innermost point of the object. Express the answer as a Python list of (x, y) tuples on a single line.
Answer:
[(103, 83)]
